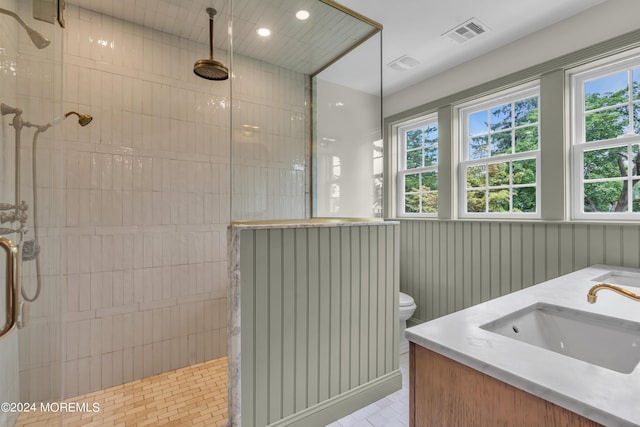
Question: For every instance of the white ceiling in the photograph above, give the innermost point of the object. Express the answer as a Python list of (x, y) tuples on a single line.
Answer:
[(411, 27), (301, 46), (414, 28)]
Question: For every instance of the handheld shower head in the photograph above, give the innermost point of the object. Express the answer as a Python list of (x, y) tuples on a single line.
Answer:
[(38, 39), (83, 119)]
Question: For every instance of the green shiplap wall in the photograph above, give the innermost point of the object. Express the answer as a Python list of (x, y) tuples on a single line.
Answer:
[(319, 320), (450, 265)]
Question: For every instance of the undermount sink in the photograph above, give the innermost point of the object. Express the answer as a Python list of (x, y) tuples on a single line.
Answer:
[(600, 340), (624, 278)]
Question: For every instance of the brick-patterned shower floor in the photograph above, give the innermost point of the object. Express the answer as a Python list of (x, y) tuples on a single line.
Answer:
[(192, 396)]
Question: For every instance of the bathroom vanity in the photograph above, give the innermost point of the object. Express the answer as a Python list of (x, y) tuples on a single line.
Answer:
[(539, 356)]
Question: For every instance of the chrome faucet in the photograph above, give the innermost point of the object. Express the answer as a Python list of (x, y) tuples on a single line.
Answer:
[(591, 295)]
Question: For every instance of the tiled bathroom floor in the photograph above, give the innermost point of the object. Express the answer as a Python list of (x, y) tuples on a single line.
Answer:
[(197, 396), (390, 411), (191, 396)]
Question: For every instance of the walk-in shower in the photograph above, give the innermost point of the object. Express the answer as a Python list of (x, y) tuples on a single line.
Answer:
[(38, 39)]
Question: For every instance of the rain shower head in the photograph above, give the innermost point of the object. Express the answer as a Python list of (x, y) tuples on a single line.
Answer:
[(38, 39), (83, 119), (211, 69)]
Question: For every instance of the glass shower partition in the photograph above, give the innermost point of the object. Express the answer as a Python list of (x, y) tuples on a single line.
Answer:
[(274, 115), (347, 134), (31, 97)]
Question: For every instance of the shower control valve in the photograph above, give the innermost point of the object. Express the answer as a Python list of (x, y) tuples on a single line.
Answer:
[(17, 215)]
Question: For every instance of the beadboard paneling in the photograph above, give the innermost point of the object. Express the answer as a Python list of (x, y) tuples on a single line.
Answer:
[(449, 265), (319, 317)]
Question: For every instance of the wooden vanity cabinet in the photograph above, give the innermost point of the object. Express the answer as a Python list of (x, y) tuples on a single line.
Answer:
[(443, 392)]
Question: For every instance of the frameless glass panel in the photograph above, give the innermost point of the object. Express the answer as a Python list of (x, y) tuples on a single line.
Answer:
[(526, 139), (479, 123), (524, 171), (498, 174), (526, 111), (606, 124), (476, 201), (524, 199), (476, 176), (606, 163), (606, 91), (500, 117), (347, 107), (604, 197), (501, 143), (499, 200)]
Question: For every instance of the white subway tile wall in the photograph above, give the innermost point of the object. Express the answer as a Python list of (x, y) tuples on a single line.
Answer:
[(147, 196)]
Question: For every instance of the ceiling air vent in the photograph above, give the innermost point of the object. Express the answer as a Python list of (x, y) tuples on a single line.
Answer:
[(467, 31), (405, 62)]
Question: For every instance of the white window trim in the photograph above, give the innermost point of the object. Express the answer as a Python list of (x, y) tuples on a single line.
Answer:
[(466, 109), (579, 145), (402, 130)]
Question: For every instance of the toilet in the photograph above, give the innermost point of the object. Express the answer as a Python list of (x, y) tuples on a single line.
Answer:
[(407, 308)]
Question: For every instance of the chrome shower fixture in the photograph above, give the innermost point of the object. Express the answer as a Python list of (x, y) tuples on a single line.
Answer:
[(38, 39), (211, 69), (83, 119)]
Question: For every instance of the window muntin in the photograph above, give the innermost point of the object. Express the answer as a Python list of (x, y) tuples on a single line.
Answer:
[(418, 168), (606, 141), (500, 156)]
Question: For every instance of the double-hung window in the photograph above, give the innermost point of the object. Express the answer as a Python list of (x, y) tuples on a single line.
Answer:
[(606, 141), (418, 168), (500, 156)]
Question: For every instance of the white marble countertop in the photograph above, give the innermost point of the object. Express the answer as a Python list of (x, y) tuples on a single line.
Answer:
[(605, 396)]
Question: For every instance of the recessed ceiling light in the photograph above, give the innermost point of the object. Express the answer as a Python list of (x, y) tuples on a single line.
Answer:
[(302, 15), (264, 32)]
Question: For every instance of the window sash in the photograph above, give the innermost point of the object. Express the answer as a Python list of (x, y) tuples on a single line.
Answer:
[(463, 198), (420, 123), (580, 145), (465, 111)]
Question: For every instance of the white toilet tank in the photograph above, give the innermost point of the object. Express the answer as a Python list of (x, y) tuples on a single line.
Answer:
[(407, 306)]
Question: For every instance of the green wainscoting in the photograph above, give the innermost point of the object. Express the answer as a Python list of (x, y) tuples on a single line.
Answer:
[(450, 265), (318, 321)]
